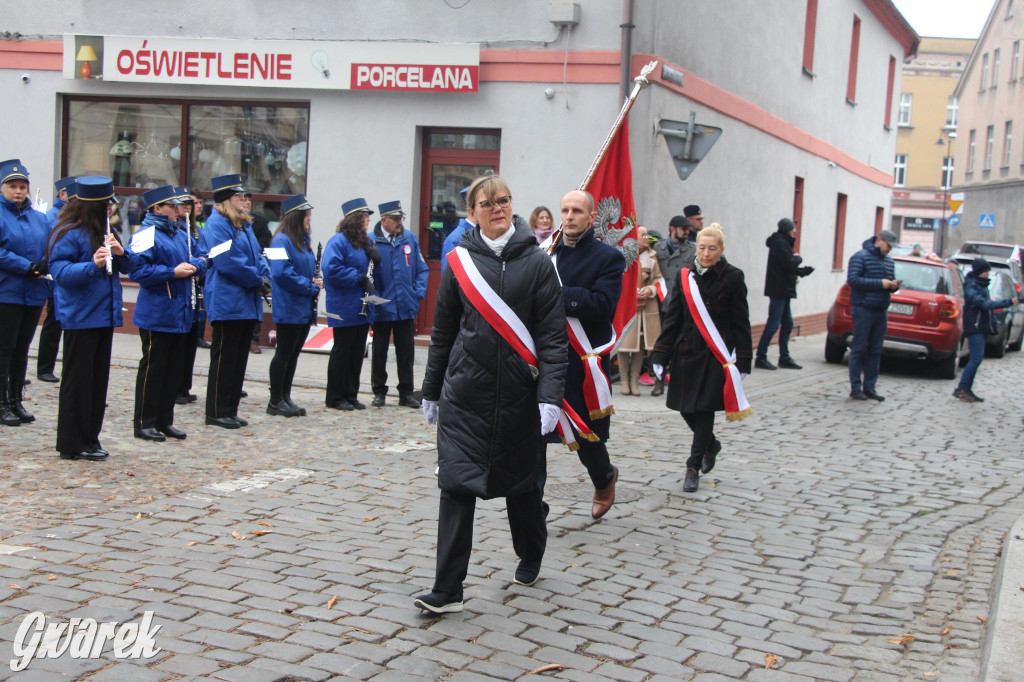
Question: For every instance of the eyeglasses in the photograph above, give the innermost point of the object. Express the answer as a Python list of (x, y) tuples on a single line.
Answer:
[(500, 202)]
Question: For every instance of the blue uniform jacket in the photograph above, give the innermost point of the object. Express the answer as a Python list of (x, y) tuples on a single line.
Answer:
[(453, 239), (85, 296), (978, 307), (23, 232), (401, 277), (591, 276), (54, 211), (233, 277), (293, 282), (164, 303), (342, 266), (865, 272)]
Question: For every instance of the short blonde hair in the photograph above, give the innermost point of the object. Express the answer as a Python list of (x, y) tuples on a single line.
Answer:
[(488, 186), (714, 230)]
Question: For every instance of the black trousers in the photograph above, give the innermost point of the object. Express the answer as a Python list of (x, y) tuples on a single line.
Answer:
[(346, 363), (290, 338), (526, 521), (594, 456), (229, 355), (17, 327), (404, 355), (49, 341), (83, 388), (189, 364), (156, 384), (703, 426)]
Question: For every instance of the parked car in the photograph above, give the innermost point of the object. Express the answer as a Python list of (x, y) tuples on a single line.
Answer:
[(1001, 256), (925, 316), (1010, 320)]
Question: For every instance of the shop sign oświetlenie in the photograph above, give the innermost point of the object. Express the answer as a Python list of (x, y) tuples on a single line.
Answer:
[(321, 65)]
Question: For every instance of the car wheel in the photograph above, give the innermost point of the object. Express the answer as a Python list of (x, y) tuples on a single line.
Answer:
[(834, 351), (946, 369)]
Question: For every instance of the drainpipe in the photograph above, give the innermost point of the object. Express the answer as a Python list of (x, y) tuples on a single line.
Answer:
[(626, 50)]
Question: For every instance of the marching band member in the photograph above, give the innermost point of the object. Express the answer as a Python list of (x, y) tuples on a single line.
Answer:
[(163, 312), (296, 286), (236, 276), (49, 335), (23, 291), (85, 260), (348, 277), (184, 201)]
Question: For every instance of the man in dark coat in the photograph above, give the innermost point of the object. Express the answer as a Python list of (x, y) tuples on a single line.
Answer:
[(674, 254), (870, 274), (491, 407), (780, 287), (591, 276)]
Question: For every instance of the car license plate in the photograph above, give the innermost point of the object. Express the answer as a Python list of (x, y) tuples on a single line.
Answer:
[(901, 308)]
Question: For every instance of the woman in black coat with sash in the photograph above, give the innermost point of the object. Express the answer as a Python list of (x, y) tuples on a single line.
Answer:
[(698, 386), (490, 406)]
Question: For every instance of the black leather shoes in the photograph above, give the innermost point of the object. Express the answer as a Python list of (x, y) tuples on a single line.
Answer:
[(692, 480), (7, 416), (172, 432), (21, 413), (91, 455), (659, 388), (763, 363), (789, 364), (241, 422), (408, 400), (150, 434), (245, 394), (48, 377), (185, 399), (378, 400), (358, 405), (302, 410), (202, 343), (874, 396), (527, 573), (282, 409), (858, 395), (341, 405), (223, 422), (708, 461)]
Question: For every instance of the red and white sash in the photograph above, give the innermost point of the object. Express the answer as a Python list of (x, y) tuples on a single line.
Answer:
[(736, 405), (597, 390), (504, 320)]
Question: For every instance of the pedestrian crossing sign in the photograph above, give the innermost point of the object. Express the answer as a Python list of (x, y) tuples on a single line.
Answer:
[(987, 221)]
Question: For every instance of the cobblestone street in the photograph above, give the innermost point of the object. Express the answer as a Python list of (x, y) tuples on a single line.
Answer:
[(835, 540)]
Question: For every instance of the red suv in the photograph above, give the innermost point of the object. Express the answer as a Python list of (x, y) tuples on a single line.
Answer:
[(925, 316)]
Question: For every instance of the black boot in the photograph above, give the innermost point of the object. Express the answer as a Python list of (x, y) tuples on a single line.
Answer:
[(17, 395), (659, 387), (7, 416)]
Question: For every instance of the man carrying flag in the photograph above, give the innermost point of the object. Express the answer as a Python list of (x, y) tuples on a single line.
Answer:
[(591, 276)]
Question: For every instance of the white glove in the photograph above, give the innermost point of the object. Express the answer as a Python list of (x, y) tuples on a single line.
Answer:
[(659, 371), (430, 411), (548, 417)]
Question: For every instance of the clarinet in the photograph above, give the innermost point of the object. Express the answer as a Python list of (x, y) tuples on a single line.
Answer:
[(316, 274), (364, 311), (110, 256), (192, 278)]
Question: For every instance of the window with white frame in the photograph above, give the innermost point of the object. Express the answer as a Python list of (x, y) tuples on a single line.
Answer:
[(899, 173), (990, 142), (1007, 143), (947, 172), (952, 111), (1009, 10), (984, 72), (970, 151), (1015, 60), (995, 69), (906, 102)]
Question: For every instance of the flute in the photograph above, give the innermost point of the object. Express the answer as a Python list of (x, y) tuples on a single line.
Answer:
[(191, 278), (110, 255)]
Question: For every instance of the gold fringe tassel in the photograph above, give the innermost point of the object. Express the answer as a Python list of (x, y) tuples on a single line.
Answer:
[(737, 416), (601, 414)]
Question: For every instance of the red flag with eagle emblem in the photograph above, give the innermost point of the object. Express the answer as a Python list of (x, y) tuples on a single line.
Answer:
[(612, 188)]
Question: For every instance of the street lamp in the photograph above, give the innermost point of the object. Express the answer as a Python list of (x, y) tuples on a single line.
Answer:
[(946, 182)]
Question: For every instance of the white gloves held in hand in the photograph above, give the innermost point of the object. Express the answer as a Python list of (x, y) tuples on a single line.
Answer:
[(659, 371), (430, 411), (548, 417)]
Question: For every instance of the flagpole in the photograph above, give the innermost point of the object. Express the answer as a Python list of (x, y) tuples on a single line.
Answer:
[(639, 83)]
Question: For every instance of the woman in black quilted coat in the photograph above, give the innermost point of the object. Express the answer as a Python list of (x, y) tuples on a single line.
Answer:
[(488, 403), (698, 380)]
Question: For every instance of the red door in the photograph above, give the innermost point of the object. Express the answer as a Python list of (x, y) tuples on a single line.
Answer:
[(452, 159)]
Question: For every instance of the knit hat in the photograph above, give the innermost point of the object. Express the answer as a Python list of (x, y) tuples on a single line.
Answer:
[(979, 266), (786, 225)]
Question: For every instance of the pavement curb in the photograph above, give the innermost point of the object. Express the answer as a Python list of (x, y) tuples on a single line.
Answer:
[(1004, 646)]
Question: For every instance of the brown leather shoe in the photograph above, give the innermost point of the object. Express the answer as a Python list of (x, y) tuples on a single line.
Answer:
[(605, 498), (692, 480)]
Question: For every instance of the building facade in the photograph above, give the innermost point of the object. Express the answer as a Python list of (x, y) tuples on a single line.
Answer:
[(990, 168), (411, 100), (926, 120)]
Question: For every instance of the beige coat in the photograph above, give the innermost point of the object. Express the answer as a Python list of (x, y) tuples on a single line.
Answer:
[(648, 321)]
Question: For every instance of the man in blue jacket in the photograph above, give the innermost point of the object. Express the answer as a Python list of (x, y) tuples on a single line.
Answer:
[(871, 279), (453, 239), (402, 278)]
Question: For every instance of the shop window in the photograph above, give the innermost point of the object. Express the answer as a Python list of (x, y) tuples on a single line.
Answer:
[(146, 143)]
